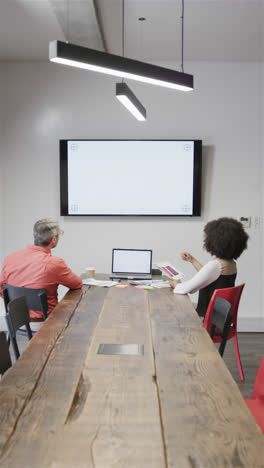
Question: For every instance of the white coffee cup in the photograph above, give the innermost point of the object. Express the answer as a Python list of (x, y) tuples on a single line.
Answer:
[(90, 272)]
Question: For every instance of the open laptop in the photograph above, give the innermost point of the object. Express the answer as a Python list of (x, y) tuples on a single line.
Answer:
[(131, 264)]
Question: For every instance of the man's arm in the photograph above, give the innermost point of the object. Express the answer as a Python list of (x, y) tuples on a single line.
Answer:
[(65, 276)]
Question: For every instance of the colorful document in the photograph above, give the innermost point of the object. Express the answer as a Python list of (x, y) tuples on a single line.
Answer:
[(169, 270)]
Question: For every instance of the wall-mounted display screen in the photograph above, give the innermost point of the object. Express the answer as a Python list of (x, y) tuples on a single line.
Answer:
[(130, 177)]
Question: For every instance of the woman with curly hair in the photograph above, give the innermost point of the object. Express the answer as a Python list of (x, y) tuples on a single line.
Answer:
[(225, 239)]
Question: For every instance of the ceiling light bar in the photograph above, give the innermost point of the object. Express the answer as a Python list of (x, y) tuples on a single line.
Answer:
[(130, 101), (102, 62)]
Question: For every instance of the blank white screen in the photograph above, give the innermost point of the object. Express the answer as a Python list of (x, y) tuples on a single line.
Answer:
[(132, 261), (130, 177)]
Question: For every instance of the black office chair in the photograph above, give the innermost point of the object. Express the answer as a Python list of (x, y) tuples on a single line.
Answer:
[(221, 321), (36, 299), (17, 316), (5, 359)]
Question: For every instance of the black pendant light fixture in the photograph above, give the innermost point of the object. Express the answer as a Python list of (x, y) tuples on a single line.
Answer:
[(123, 92), (110, 64), (130, 101)]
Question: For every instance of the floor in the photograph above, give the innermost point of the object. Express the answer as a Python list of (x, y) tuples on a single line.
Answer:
[(251, 346)]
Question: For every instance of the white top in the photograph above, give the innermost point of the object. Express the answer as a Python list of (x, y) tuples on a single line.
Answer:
[(206, 275)]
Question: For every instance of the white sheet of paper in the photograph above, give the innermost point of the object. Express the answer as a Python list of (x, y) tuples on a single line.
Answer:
[(100, 283)]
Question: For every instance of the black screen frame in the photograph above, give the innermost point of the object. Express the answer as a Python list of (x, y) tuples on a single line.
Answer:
[(197, 179)]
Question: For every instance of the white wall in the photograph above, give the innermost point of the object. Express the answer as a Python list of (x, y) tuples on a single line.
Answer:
[(2, 114), (47, 102), (2, 201), (261, 138)]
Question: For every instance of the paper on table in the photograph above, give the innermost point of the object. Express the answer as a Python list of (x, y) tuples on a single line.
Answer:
[(160, 284), (141, 282), (153, 283), (169, 270), (100, 283)]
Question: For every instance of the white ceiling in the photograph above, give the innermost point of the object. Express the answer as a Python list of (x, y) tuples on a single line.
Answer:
[(221, 30)]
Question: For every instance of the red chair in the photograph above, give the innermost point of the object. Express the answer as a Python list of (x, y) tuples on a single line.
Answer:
[(258, 390), (232, 295), (256, 403)]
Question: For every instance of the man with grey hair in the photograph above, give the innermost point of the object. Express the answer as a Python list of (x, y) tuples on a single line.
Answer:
[(45, 230), (35, 267)]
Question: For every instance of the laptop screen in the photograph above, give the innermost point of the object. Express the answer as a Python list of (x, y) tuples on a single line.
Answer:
[(131, 261)]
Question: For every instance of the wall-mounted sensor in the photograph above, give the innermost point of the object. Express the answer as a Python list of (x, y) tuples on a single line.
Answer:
[(245, 221)]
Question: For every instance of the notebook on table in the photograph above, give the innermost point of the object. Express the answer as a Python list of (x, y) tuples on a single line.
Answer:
[(131, 264)]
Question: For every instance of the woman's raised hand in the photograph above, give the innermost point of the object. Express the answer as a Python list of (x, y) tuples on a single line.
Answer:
[(186, 256), (189, 258)]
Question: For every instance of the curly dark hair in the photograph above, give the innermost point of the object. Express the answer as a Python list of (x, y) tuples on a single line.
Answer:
[(225, 238)]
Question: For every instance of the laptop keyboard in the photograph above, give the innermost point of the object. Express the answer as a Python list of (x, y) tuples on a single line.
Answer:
[(127, 276)]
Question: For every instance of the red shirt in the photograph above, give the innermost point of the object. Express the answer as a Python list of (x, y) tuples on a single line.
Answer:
[(35, 267)]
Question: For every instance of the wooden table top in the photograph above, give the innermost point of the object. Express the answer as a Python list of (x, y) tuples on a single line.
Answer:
[(64, 405)]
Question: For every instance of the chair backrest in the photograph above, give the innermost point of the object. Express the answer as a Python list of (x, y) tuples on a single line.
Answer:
[(232, 295), (258, 391), (222, 319), (5, 360), (36, 298), (17, 316)]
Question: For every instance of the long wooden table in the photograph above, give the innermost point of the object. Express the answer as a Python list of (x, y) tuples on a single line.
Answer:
[(64, 405)]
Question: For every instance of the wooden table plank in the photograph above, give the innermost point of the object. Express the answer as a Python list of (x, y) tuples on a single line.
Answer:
[(120, 418), (48, 405), (24, 374), (205, 419)]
